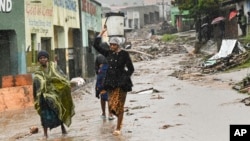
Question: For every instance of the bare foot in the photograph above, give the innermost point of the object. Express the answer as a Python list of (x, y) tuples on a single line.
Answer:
[(117, 133), (111, 117), (45, 133), (44, 138), (64, 132)]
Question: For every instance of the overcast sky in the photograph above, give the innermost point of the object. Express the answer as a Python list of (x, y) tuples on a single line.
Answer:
[(131, 2), (120, 2)]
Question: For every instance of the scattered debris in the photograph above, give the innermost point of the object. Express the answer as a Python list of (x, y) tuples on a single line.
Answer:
[(166, 28), (33, 129), (138, 107), (132, 100), (231, 54), (20, 136), (167, 126), (225, 63), (143, 53), (129, 114), (146, 117), (180, 104), (243, 86), (157, 97), (143, 90), (129, 131), (126, 109), (146, 91), (76, 83), (246, 101)]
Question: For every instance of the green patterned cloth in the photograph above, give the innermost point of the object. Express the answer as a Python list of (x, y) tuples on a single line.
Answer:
[(52, 92)]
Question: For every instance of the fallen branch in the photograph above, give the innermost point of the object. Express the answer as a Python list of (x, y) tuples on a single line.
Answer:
[(136, 51), (147, 89)]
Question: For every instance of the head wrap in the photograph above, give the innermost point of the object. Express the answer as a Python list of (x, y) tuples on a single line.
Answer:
[(115, 40), (43, 53)]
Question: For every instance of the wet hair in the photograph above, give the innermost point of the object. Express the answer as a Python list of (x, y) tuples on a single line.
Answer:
[(100, 59)]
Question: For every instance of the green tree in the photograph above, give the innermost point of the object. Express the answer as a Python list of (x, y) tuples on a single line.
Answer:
[(199, 8)]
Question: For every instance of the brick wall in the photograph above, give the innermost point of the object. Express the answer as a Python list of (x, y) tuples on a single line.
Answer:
[(14, 98), (16, 92)]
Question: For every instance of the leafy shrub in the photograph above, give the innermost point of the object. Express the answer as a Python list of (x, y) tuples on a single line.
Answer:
[(246, 39), (168, 37)]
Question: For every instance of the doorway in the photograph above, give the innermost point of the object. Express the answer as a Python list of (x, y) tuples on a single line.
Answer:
[(8, 53)]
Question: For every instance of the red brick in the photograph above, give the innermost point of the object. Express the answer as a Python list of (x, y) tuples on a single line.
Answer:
[(8, 81), (23, 79), (14, 98)]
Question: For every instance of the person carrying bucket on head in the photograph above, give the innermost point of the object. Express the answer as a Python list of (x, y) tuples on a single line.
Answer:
[(118, 76)]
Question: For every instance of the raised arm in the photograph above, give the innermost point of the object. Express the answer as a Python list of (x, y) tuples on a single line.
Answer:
[(97, 43)]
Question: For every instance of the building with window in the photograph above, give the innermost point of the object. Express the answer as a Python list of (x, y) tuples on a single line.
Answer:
[(64, 28)]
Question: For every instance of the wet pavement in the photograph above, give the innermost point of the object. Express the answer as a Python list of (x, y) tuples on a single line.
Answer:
[(169, 109)]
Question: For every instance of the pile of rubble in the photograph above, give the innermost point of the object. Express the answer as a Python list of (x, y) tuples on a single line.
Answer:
[(194, 66), (225, 63), (154, 48), (146, 46), (166, 28), (243, 86), (229, 59)]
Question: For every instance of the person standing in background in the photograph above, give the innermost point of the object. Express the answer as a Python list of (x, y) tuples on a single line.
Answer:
[(101, 66), (222, 29), (248, 21), (198, 29), (242, 21)]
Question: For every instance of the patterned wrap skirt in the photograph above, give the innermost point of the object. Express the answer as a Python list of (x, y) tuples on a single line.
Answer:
[(49, 114), (117, 98)]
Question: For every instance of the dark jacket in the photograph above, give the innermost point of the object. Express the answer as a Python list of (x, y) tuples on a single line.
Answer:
[(120, 68)]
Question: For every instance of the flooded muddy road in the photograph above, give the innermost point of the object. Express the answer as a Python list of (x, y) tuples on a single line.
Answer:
[(160, 107)]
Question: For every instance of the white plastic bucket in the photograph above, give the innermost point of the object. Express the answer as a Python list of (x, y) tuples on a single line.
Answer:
[(115, 24)]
